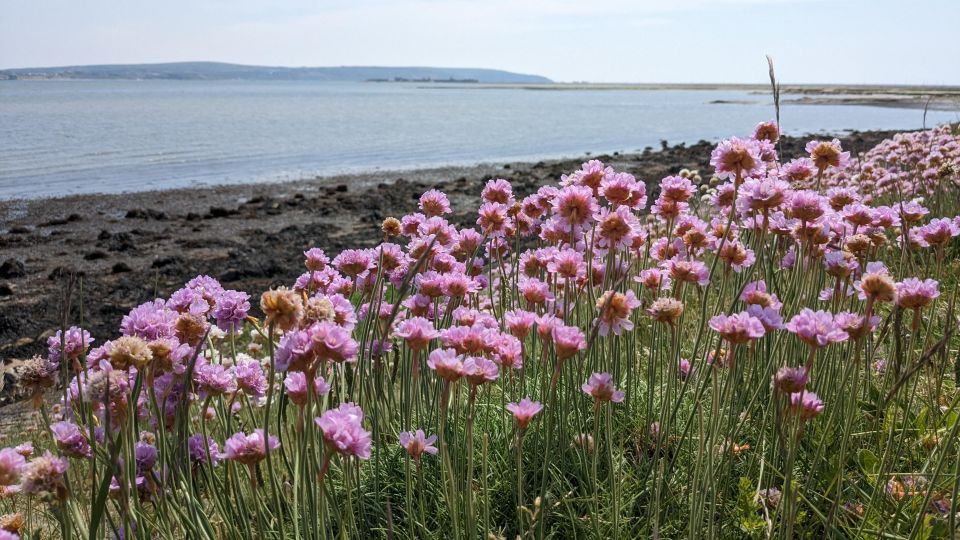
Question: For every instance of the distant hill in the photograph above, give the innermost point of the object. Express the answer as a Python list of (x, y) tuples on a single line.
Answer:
[(217, 70)]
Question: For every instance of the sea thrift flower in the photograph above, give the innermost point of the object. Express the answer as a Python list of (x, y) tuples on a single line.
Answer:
[(767, 131), (152, 320), (798, 171), (11, 465), (575, 205), (434, 203), (915, 294), (827, 154), (203, 449), (43, 477), (249, 449), (129, 351), (282, 307), (737, 328), (614, 312), (684, 369), (854, 324), (70, 440), (478, 370), (331, 342), (790, 380), (654, 279), (231, 310), (416, 443), (876, 284), (806, 404), (343, 431), (447, 364), (568, 341), (315, 259), (296, 385), (736, 158), (601, 387), (816, 328), (417, 332), (75, 345), (519, 322), (214, 380), (250, 378), (524, 411), (666, 310)]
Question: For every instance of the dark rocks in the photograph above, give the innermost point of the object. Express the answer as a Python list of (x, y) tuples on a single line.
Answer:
[(162, 262), (6, 289), (149, 213), (95, 256), (12, 268), (19, 229), (120, 268), (221, 212)]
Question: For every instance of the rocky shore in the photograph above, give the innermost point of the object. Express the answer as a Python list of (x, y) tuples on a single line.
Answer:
[(113, 252)]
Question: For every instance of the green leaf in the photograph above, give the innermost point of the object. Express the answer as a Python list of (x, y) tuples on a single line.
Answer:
[(868, 462)]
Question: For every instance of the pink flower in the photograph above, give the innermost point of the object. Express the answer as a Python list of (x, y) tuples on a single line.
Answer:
[(447, 364), (353, 262), (434, 203), (479, 370), (614, 310), (417, 332), (827, 154), (534, 291), (331, 342), (568, 341), (70, 440), (623, 188), (493, 220), (805, 205), (685, 271), (567, 263), (249, 449), (601, 387), (575, 205), (74, 346), (737, 158), (498, 191), (676, 188), (738, 328), (524, 411), (816, 328), (806, 404), (296, 385), (417, 442), (798, 171), (767, 131), (43, 476), (790, 380), (343, 431), (519, 322), (615, 229), (315, 259), (654, 279), (250, 378), (854, 325), (231, 310), (11, 465), (913, 293)]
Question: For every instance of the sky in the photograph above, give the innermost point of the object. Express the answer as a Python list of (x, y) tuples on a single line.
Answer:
[(715, 41)]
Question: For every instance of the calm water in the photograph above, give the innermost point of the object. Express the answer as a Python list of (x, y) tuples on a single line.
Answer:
[(64, 137)]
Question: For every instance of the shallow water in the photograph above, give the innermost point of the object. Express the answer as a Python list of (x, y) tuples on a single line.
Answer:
[(68, 137)]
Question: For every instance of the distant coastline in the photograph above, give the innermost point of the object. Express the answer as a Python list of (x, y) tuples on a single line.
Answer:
[(224, 71), (938, 98)]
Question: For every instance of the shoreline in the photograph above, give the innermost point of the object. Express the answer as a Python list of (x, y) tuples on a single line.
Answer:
[(128, 248)]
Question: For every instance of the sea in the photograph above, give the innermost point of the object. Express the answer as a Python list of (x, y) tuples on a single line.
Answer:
[(113, 136)]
